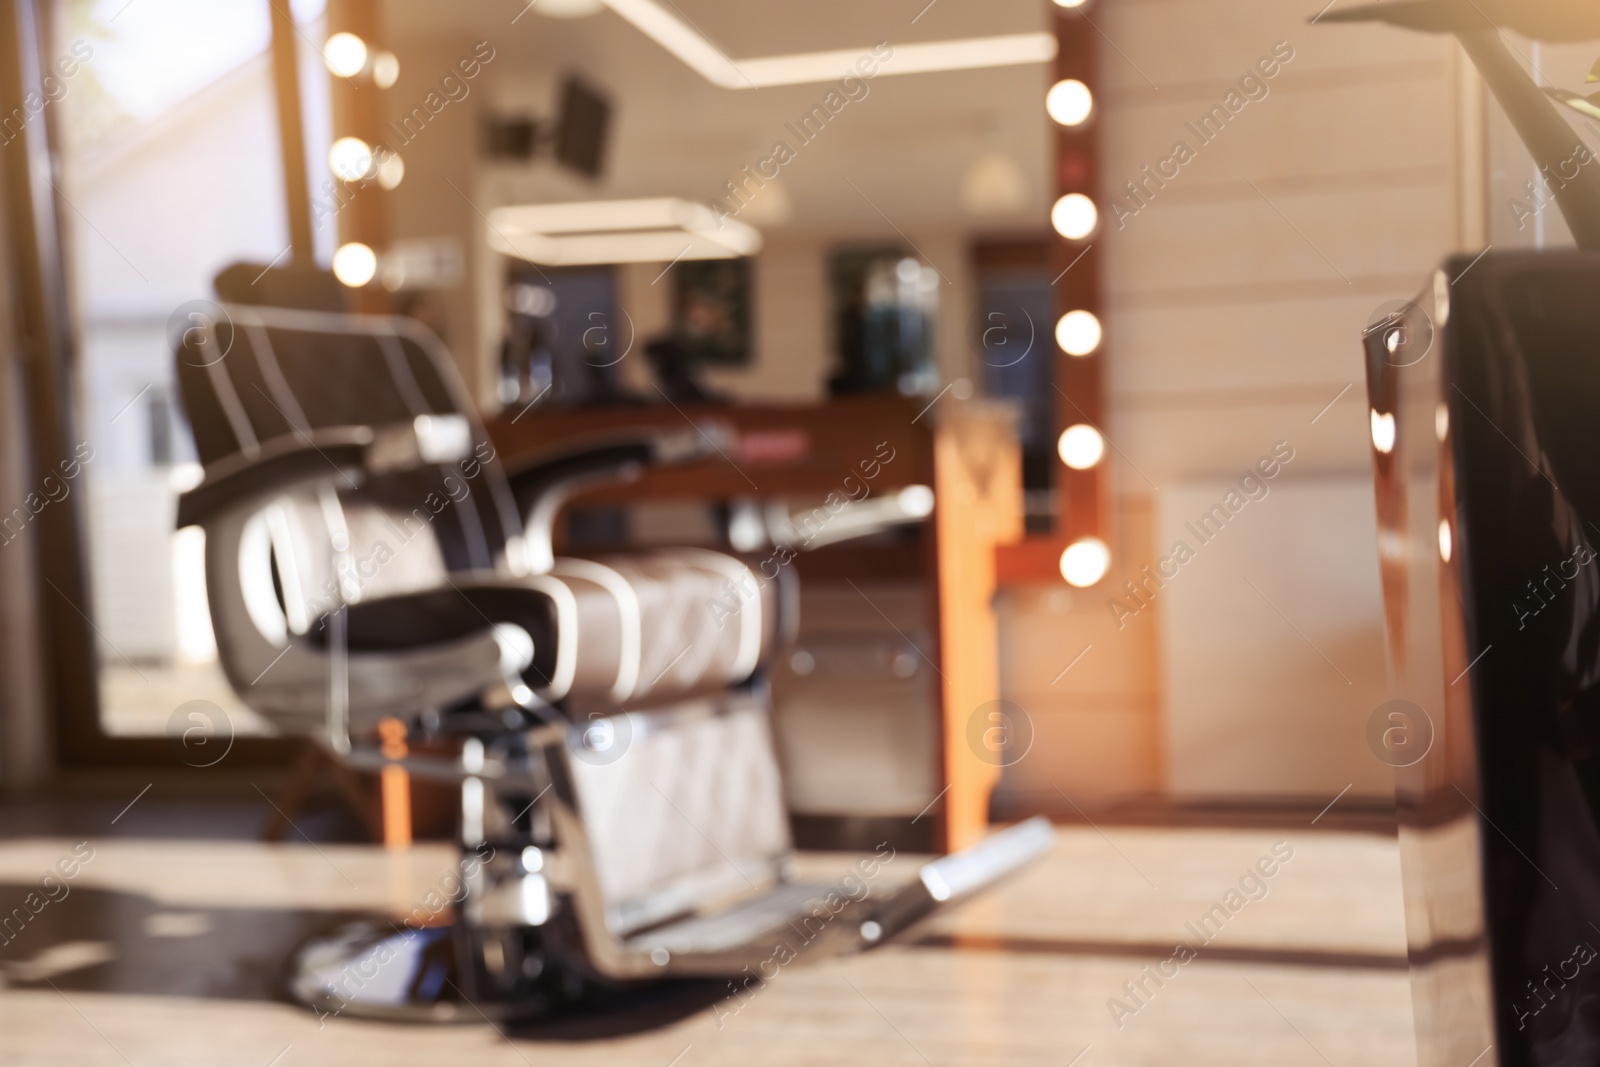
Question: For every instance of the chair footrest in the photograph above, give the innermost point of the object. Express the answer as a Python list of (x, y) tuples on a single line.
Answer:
[(741, 924)]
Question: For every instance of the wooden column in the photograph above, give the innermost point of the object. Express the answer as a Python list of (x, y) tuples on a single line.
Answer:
[(291, 131), (359, 110), (1081, 496), (978, 487)]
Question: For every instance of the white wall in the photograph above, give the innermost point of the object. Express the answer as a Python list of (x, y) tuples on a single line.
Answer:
[(1235, 300), (1272, 641)]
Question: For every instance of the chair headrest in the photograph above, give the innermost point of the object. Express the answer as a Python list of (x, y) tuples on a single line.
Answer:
[(263, 285)]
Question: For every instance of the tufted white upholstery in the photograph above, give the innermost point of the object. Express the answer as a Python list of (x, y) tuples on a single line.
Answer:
[(691, 810)]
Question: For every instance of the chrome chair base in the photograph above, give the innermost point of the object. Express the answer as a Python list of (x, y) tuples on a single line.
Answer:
[(453, 973), (463, 973)]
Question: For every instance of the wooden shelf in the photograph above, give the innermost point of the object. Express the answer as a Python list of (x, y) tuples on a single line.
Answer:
[(1030, 561)]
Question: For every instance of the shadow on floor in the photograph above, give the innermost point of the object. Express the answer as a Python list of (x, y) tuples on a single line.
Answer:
[(106, 941)]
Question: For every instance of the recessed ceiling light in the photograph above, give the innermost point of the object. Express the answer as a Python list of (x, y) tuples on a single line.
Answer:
[(567, 9), (994, 185), (707, 60), (658, 230)]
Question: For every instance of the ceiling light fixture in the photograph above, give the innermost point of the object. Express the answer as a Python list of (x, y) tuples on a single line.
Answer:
[(658, 230), (994, 185), (568, 9), (707, 60)]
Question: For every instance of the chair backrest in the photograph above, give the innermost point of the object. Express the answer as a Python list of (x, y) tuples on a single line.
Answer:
[(673, 808), (259, 374)]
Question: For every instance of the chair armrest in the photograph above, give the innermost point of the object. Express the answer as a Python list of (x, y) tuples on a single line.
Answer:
[(347, 451), (616, 457), (280, 464), (543, 483)]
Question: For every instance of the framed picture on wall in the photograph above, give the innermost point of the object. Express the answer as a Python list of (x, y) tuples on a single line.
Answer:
[(711, 310)]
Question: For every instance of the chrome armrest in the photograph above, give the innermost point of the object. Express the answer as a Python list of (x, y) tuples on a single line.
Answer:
[(546, 482), (804, 531), (343, 453)]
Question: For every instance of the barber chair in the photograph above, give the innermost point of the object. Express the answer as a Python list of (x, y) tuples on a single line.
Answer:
[(622, 819), (1484, 394), (1484, 398)]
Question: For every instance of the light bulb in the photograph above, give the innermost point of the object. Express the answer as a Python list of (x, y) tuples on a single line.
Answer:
[(1085, 562), (1078, 333), (1074, 216), (916, 501), (1069, 102), (355, 264), (345, 54), (1382, 431), (1081, 446), (1446, 542), (385, 70), (391, 171), (568, 9), (350, 159)]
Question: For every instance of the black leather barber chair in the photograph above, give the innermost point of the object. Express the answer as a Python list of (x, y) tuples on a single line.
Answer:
[(1485, 402), (622, 818), (1485, 397)]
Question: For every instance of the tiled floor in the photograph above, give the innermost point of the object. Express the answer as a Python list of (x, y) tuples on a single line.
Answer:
[(167, 952)]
